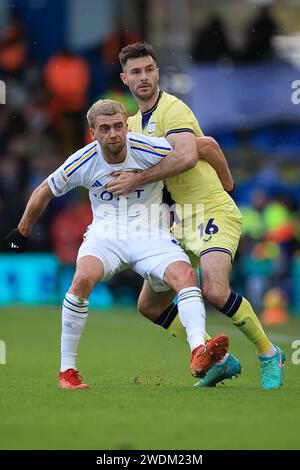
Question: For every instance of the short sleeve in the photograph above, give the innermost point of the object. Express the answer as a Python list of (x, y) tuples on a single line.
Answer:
[(148, 150), (72, 173), (60, 183), (178, 117)]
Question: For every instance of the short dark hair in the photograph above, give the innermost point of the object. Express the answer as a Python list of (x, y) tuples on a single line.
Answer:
[(135, 50)]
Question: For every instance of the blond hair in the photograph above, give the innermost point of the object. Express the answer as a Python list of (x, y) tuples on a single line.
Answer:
[(105, 107)]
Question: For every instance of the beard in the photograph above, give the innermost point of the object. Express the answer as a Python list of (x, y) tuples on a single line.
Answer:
[(146, 96), (115, 149)]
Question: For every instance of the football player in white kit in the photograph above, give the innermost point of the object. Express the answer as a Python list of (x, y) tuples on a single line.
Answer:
[(126, 232)]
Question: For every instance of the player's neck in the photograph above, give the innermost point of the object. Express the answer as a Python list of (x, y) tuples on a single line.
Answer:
[(113, 159), (145, 106)]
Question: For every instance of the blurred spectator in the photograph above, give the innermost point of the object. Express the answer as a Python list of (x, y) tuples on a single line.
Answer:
[(253, 223), (259, 36), (67, 77), (258, 266), (269, 244), (13, 48), (279, 222), (211, 42)]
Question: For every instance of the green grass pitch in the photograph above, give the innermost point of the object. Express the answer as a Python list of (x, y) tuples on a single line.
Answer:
[(142, 395)]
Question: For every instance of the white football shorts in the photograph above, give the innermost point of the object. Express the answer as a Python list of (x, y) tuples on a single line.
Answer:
[(148, 257)]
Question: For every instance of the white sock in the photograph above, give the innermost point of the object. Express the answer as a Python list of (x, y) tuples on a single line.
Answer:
[(74, 315), (270, 353), (192, 315)]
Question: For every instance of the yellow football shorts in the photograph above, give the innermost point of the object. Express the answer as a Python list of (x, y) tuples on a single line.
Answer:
[(217, 230)]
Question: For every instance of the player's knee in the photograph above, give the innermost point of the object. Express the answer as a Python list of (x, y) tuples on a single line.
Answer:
[(82, 284), (181, 276), (189, 277), (214, 294)]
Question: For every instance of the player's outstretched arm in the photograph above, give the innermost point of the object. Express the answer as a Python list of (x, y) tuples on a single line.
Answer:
[(183, 157), (210, 151), (17, 238)]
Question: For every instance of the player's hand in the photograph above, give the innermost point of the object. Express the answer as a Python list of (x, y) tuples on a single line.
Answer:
[(125, 183), (16, 241)]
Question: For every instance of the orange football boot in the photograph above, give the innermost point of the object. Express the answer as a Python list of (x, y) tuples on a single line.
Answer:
[(205, 356), (70, 379)]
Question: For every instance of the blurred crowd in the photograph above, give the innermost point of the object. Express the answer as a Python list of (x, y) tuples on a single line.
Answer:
[(269, 251), (43, 122), (212, 42)]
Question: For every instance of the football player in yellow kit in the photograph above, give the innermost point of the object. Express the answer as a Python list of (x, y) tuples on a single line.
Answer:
[(192, 181)]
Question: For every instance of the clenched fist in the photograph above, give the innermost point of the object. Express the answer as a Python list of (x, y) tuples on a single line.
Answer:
[(16, 241)]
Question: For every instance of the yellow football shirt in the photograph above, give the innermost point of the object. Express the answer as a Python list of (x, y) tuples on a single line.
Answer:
[(200, 185)]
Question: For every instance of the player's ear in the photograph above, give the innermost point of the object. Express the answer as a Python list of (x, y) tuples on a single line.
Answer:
[(124, 78), (92, 133), (157, 69)]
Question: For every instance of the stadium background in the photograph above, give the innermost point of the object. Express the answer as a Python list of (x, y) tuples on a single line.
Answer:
[(234, 63), (43, 122)]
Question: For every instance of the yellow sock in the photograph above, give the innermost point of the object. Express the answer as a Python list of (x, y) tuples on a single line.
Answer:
[(248, 323), (207, 337), (176, 329)]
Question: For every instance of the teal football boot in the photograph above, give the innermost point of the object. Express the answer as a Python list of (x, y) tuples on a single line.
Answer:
[(272, 370), (219, 372)]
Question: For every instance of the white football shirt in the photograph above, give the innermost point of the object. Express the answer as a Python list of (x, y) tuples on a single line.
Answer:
[(140, 211)]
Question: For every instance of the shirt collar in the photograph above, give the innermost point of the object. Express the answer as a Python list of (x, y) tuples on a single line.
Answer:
[(150, 111)]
